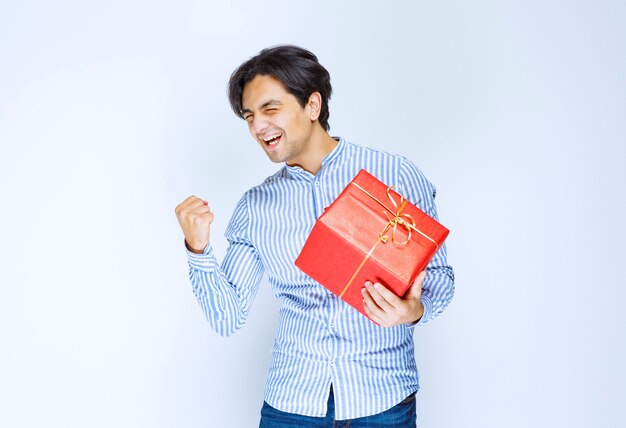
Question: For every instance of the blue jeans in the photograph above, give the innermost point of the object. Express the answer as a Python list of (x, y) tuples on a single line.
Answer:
[(402, 415)]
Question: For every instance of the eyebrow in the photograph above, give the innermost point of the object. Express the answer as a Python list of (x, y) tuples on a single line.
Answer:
[(264, 105)]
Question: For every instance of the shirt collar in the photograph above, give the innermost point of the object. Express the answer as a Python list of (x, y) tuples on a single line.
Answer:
[(298, 173)]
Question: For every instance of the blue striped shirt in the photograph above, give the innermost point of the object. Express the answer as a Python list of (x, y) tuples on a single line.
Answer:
[(320, 340)]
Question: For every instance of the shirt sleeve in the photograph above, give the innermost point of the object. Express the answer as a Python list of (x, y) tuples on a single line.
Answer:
[(226, 292), (438, 286)]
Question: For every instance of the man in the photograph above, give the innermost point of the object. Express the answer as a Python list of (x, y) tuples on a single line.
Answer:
[(330, 363)]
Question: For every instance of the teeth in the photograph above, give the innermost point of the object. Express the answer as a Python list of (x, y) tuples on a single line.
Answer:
[(271, 137)]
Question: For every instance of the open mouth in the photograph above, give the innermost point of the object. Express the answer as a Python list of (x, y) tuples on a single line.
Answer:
[(272, 140)]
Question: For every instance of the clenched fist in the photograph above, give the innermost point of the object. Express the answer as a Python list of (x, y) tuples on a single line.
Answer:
[(195, 218)]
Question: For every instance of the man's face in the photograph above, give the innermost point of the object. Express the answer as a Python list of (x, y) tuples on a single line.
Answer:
[(276, 120)]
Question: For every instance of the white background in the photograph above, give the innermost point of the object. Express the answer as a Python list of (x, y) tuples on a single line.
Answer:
[(112, 112)]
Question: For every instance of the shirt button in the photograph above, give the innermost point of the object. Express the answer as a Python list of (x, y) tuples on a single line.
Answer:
[(332, 362), (317, 183)]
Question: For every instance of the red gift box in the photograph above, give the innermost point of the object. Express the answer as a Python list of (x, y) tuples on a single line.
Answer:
[(369, 232)]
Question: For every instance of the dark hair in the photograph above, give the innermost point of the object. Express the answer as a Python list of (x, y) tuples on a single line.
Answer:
[(296, 68)]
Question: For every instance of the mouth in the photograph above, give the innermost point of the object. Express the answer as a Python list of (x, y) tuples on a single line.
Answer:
[(271, 140)]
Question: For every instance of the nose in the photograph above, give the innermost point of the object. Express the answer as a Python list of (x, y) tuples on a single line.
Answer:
[(258, 125)]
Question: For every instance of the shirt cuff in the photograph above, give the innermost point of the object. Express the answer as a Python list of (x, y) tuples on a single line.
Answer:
[(428, 310), (203, 262)]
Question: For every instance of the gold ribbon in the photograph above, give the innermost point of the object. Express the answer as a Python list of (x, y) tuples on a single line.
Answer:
[(404, 220)]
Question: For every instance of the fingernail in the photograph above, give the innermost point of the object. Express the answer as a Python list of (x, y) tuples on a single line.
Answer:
[(377, 286)]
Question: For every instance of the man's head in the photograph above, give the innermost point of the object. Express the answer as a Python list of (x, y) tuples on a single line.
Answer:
[(297, 69)]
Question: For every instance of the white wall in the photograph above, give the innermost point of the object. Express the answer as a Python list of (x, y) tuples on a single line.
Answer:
[(113, 112)]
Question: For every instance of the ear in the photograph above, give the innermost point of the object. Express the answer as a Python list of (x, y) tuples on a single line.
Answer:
[(315, 106)]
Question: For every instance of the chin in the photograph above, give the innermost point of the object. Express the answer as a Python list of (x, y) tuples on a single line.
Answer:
[(274, 159)]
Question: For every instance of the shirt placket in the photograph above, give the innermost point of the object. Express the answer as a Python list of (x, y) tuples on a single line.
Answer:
[(320, 203)]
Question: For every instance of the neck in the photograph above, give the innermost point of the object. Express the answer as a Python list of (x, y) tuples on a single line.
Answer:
[(320, 145)]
